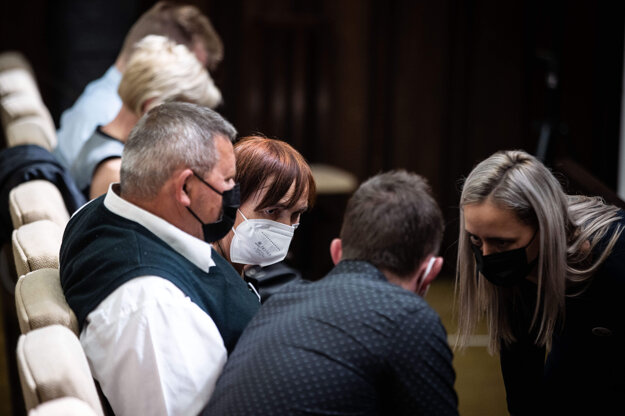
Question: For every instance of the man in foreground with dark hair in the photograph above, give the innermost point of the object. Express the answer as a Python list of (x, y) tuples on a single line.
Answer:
[(361, 340)]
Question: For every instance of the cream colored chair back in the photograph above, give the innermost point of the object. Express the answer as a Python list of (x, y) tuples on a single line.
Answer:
[(18, 81), (14, 60), (36, 246), (52, 364), (22, 104), (333, 180), (31, 129), (37, 200), (40, 302)]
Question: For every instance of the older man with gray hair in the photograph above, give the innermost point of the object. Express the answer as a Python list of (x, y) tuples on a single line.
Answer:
[(158, 309)]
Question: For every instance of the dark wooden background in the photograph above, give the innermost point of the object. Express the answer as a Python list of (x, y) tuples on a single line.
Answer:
[(430, 86)]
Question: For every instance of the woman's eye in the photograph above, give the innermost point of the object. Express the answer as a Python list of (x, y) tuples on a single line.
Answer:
[(501, 244), (475, 240), (270, 211)]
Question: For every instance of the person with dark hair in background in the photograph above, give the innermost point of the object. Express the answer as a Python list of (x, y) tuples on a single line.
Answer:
[(158, 309), (547, 272), (99, 103), (361, 340)]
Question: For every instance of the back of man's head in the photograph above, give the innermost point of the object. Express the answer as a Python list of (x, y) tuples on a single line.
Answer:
[(159, 71), (393, 222), (184, 24), (169, 137)]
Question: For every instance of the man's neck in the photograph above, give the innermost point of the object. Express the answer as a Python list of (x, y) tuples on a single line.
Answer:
[(404, 282)]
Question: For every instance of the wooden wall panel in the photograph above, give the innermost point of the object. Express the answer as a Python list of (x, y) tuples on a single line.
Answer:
[(371, 85)]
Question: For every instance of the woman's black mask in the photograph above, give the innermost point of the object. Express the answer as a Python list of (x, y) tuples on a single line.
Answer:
[(507, 268)]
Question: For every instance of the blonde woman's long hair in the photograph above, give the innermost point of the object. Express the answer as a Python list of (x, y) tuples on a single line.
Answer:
[(570, 228)]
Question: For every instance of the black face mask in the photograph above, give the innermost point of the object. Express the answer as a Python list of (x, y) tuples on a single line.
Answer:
[(230, 201), (505, 269)]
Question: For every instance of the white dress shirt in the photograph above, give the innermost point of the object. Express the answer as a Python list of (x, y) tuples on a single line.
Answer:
[(154, 351)]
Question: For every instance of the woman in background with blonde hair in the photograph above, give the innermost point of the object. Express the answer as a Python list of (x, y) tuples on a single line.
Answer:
[(547, 271), (158, 71)]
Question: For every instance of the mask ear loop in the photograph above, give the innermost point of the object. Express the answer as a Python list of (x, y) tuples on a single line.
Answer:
[(244, 218), (428, 269)]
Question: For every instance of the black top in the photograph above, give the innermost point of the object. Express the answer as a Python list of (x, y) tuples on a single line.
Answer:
[(268, 280), (583, 372), (351, 343), (101, 251)]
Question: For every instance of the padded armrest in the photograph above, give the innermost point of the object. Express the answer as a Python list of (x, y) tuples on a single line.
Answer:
[(31, 129), (36, 246), (18, 81), (52, 364), (40, 302), (37, 200)]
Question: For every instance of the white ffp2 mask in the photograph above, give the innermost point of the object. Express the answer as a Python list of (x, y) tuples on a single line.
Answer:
[(262, 242)]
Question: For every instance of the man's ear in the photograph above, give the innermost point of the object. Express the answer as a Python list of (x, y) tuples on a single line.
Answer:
[(180, 187), (336, 250), (429, 270)]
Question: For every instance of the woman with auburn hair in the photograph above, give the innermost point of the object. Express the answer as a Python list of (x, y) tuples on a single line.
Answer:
[(547, 271), (277, 187)]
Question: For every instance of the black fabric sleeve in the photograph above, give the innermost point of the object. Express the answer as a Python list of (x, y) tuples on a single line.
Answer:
[(270, 279)]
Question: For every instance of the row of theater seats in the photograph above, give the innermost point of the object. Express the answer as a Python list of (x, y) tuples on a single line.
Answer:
[(52, 367), (25, 118)]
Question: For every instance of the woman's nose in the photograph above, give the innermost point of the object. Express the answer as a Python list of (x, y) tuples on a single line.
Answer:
[(486, 250)]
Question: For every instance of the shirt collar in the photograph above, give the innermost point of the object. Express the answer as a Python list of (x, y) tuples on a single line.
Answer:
[(113, 75), (193, 249)]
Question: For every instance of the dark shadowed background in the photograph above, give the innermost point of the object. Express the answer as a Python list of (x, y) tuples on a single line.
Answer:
[(432, 87)]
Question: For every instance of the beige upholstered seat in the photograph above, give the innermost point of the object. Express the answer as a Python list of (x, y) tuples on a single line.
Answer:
[(37, 200), (65, 406), (12, 60), (332, 180), (36, 246), (31, 129), (52, 364), (18, 81), (18, 105), (40, 301)]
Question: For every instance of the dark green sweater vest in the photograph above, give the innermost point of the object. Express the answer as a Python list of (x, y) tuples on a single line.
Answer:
[(101, 251)]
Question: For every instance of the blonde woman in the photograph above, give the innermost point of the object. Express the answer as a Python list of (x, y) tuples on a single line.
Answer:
[(546, 271), (99, 102), (158, 71)]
